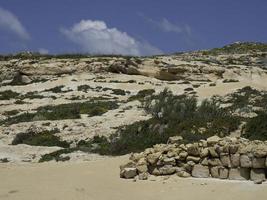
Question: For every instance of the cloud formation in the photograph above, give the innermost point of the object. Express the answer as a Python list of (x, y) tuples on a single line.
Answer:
[(96, 38), (166, 26), (9, 22)]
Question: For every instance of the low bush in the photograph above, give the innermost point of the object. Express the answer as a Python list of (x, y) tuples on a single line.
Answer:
[(63, 111), (45, 138), (256, 128), (8, 94)]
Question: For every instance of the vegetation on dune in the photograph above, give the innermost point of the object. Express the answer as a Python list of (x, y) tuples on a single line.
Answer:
[(63, 111), (238, 47), (256, 128), (45, 138), (8, 94), (171, 115)]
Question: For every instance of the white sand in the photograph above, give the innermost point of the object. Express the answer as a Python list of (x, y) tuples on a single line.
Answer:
[(99, 180)]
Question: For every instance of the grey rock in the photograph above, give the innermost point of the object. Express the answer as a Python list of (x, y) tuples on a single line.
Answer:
[(245, 161), (257, 175), (200, 171), (239, 174), (258, 162)]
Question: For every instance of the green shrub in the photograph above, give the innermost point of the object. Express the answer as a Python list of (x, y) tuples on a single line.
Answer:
[(171, 115), (142, 94), (45, 138), (8, 94), (256, 128), (63, 111)]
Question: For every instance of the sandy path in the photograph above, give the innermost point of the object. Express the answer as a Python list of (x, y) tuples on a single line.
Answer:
[(99, 180)]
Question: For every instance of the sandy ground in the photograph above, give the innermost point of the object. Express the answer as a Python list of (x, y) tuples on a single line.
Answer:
[(99, 180)]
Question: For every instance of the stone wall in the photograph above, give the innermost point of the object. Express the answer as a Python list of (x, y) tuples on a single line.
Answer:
[(223, 158)]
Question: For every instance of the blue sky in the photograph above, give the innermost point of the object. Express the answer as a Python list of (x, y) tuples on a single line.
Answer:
[(138, 27)]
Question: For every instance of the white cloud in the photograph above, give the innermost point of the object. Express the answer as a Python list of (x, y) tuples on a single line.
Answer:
[(43, 51), (167, 26), (10, 22), (96, 38)]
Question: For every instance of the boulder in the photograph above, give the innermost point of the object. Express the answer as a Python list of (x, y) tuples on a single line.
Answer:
[(128, 173), (260, 151), (183, 155), (214, 162), (193, 158), (233, 148), (258, 162), (223, 173), (183, 174), (167, 170), (200, 171), (193, 150), (245, 161), (214, 171), (153, 158), (239, 174), (213, 140), (175, 140), (128, 165), (169, 161), (204, 153), (235, 160), (225, 160), (141, 168), (213, 152), (257, 175), (143, 176)]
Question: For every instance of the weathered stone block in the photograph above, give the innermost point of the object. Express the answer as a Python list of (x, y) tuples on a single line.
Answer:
[(258, 162), (193, 158), (214, 171), (204, 153), (214, 162), (257, 175), (213, 152), (200, 171), (167, 170), (128, 173), (223, 173), (193, 150), (235, 160), (245, 161), (225, 160), (239, 174)]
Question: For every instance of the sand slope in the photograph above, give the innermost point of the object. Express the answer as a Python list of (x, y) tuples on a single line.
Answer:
[(99, 180)]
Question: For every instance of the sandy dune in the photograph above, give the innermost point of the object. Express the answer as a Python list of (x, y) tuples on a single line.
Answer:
[(99, 180)]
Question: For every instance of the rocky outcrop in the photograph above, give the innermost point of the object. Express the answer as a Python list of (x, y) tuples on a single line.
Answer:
[(223, 158)]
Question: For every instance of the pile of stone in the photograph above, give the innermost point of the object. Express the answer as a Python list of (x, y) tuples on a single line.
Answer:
[(223, 158)]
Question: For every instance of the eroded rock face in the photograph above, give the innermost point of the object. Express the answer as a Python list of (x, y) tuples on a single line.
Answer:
[(224, 158)]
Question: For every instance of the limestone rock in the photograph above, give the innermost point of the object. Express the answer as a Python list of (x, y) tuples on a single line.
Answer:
[(142, 168), (214, 162), (239, 174), (258, 162), (167, 170), (235, 160), (175, 140), (204, 153), (143, 176), (223, 173), (153, 158), (245, 161), (257, 175), (225, 160), (193, 158), (233, 149), (193, 150), (213, 152), (213, 140), (128, 173), (183, 174), (200, 171), (214, 171)]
